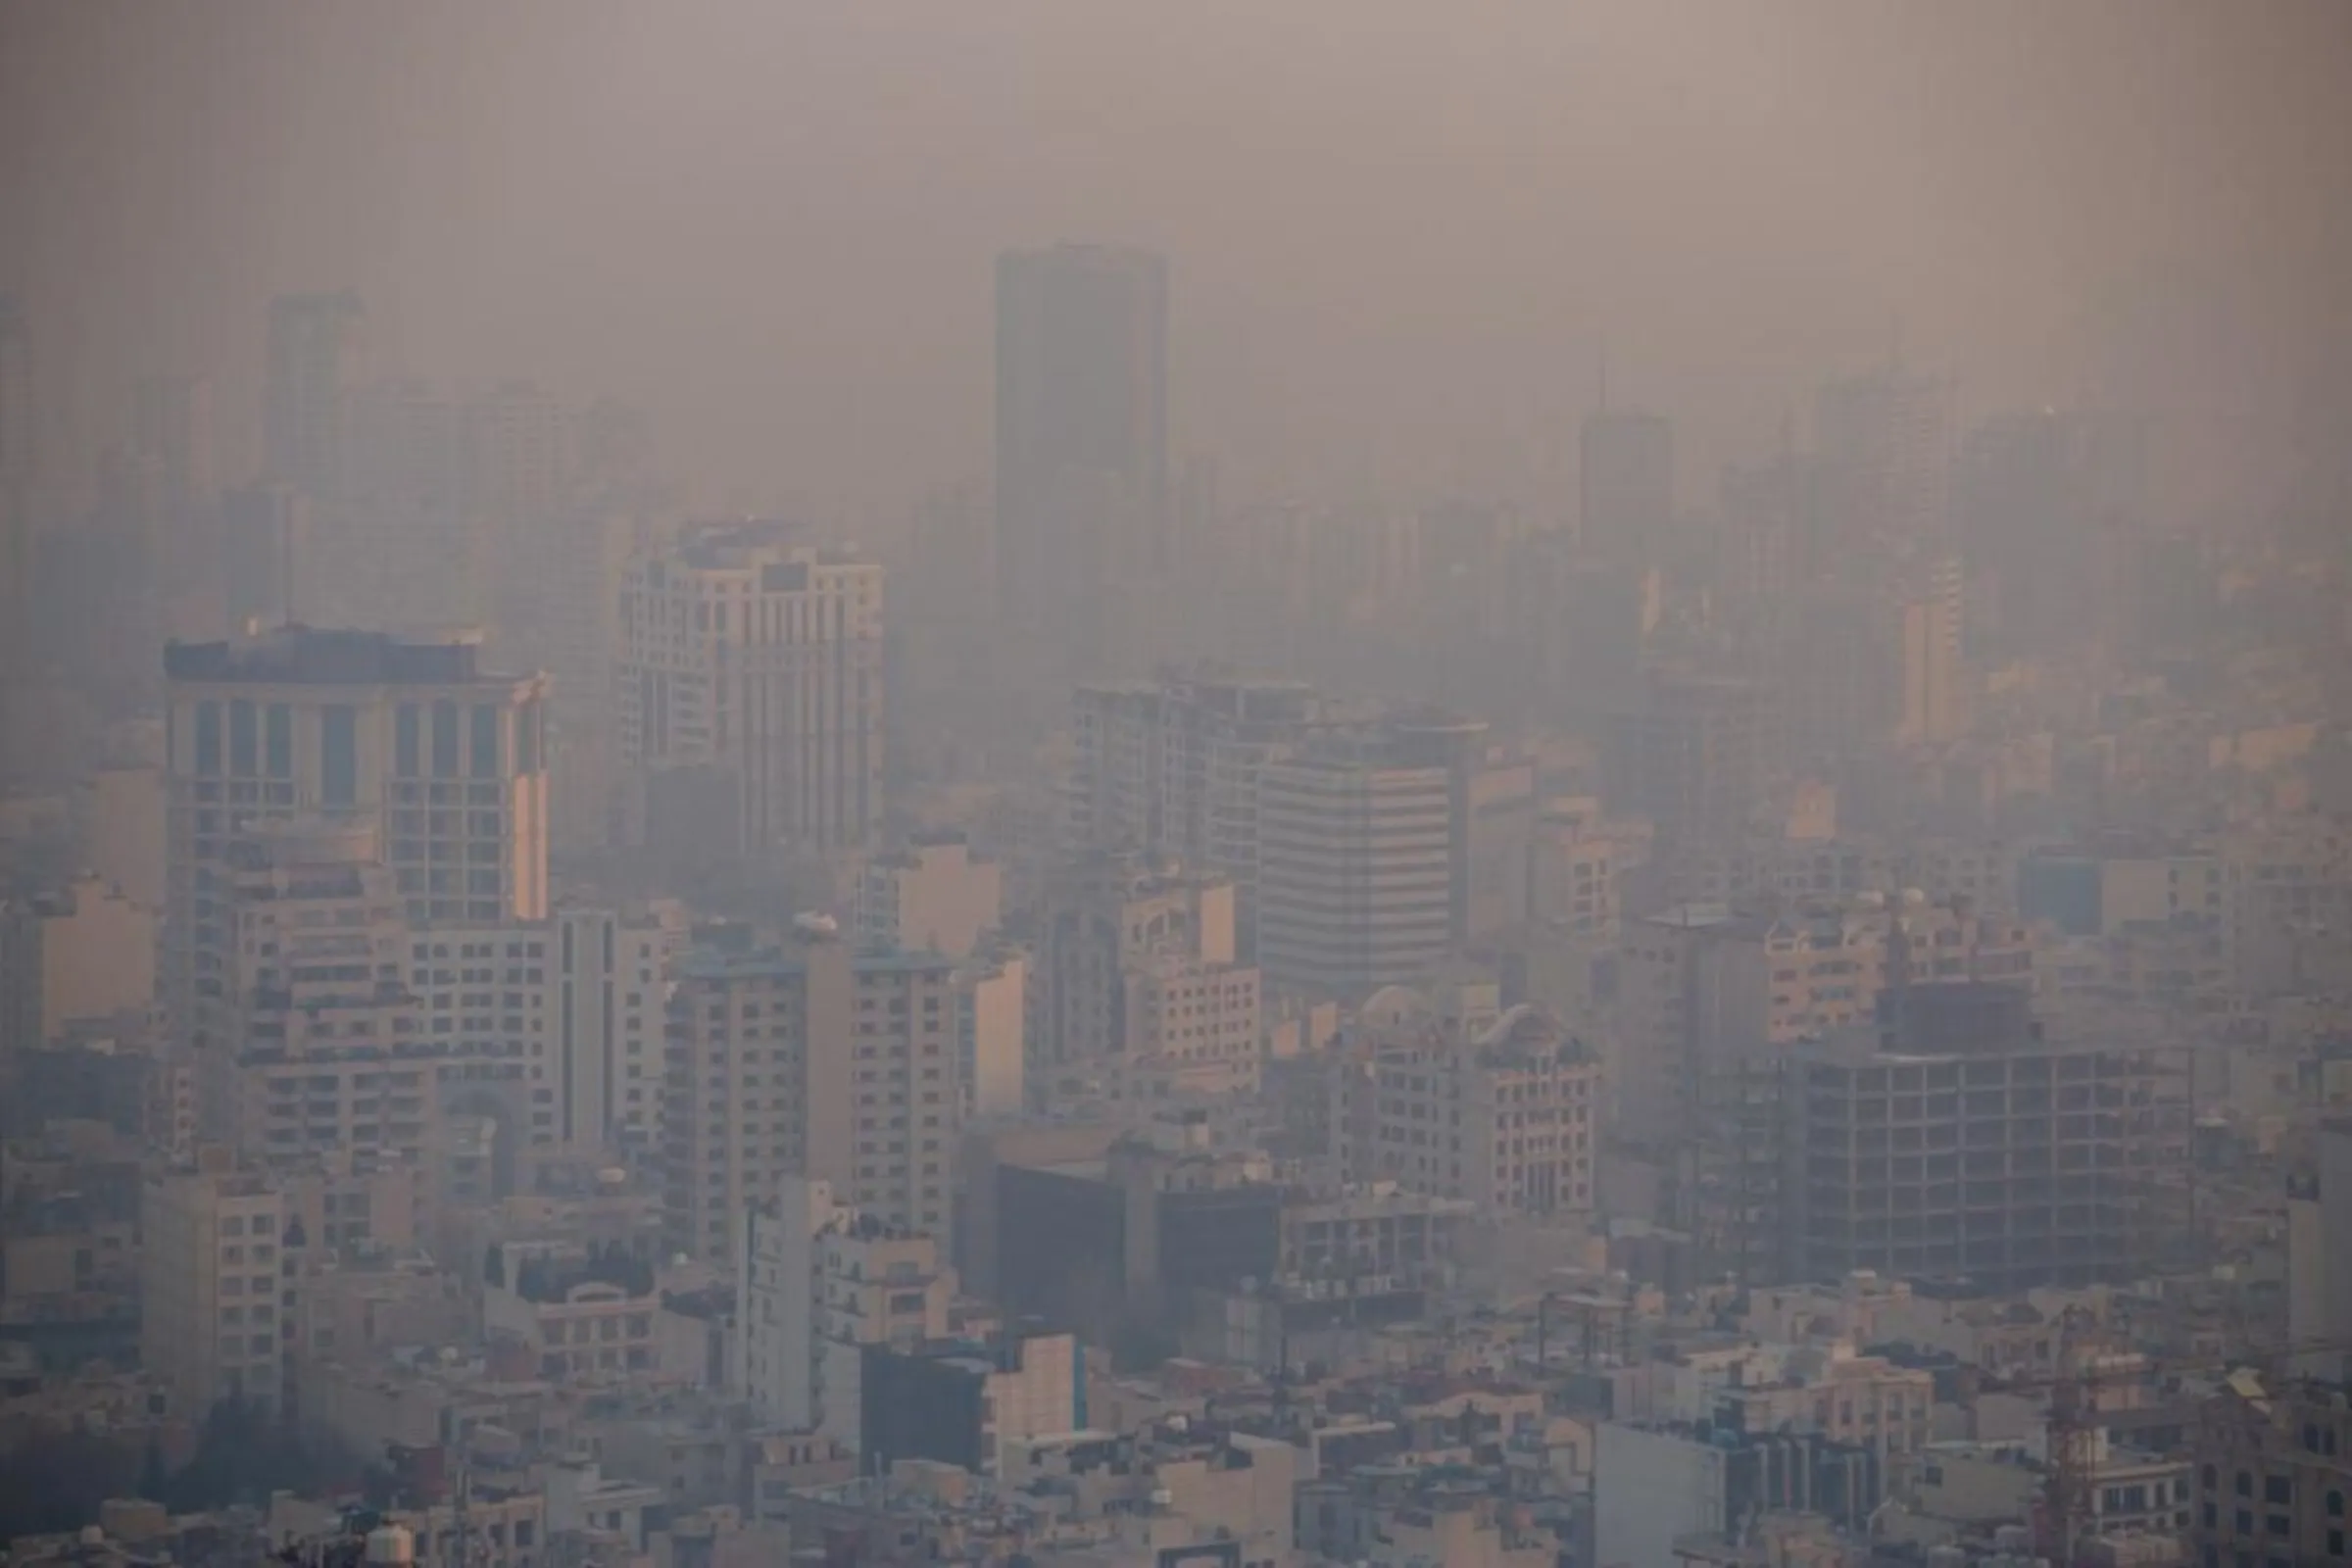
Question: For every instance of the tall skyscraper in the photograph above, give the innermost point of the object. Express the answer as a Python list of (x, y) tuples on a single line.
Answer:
[(447, 763), (312, 364), (1887, 436), (269, 564), (171, 437), (1082, 433), (1626, 487), (1935, 693), (752, 692)]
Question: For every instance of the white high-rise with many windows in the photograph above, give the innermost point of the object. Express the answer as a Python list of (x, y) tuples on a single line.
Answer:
[(751, 690)]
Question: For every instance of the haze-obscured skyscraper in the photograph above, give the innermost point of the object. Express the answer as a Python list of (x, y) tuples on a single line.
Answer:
[(751, 693), (1888, 435), (1625, 485), (312, 362), (1082, 430), (171, 437)]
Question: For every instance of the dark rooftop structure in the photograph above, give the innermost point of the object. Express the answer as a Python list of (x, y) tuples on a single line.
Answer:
[(309, 656)]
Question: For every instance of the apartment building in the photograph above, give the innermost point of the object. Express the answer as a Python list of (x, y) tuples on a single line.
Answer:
[(2275, 1473), (750, 692), (1136, 981), (1698, 982), (1172, 768), (1364, 856), (83, 953), (821, 1281), (212, 1281), (809, 1059), (1502, 1116), (569, 1010), (932, 896), (313, 1044), (443, 759)]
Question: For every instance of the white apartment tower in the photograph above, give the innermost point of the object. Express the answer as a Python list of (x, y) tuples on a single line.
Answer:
[(810, 1060), (751, 686)]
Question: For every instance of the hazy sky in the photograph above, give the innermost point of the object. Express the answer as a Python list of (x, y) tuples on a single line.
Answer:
[(1396, 228)]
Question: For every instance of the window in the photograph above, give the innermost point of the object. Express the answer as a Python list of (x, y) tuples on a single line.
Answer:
[(408, 741), (244, 740), (445, 739), (278, 740), (2280, 1490), (485, 740), (207, 740), (338, 754)]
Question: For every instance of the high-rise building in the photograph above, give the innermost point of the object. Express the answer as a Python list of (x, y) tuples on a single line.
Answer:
[(312, 364), (1364, 862), (443, 759), (211, 1282), (1082, 439), (269, 562), (1172, 768), (1888, 437), (560, 610), (15, 506), (1137, 983), (1691, 757), (1696, 983), (399, 545), (1504, 1117), (172, 434), (569, 1012), (309, 1041), (992, 1033), (2318, 1260), (821, 1282), (934, 896), (1626, 487), (810, 1060), (752, 692), (1953, 1139), (1935, 690)]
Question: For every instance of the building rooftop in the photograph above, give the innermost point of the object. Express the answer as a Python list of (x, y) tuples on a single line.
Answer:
[(314, 656)]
